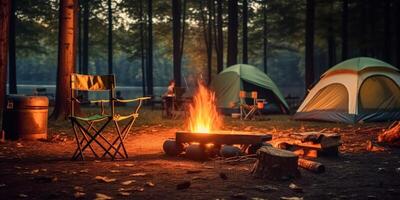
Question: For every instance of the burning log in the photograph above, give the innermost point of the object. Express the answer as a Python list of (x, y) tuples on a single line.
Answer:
[(313, 166), (275, 164), (392, 135)]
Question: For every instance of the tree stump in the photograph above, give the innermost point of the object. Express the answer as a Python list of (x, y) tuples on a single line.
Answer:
[(276, 164)]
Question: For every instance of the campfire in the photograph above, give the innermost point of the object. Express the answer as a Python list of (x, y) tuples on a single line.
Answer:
[(204, 136), (204, 117)]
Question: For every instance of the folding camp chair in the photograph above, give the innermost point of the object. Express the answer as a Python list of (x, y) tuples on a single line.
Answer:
[(85, 129), (249, 111)]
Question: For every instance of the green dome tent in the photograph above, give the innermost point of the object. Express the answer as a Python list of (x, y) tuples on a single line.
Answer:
[(233, 79), (359, 89)]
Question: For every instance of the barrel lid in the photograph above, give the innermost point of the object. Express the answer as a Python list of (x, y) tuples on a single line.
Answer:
[(27, 100)]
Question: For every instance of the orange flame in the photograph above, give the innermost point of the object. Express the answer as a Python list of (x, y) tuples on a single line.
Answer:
[(204, 117)]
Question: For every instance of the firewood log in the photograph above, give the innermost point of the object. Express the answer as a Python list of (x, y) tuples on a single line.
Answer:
[(313, 166), (276, 164)]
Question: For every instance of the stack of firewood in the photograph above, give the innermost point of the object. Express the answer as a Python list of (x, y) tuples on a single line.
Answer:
[(391, 136)]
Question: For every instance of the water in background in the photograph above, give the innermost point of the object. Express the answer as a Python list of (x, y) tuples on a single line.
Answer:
[(127, 92)]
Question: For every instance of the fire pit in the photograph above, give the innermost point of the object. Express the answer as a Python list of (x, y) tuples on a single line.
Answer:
[(204, 135), (221, 138)]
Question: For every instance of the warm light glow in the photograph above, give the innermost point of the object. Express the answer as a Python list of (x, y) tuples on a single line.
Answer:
[(204, 117)]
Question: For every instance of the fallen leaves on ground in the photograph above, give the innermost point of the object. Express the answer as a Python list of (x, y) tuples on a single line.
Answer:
[(291, 198), (265, 188), (22, 195), (295, 187), (138, 174), (131, 189), (124, 193), (105, 179), (100, 196), (79, 195), (127, 182), (149, 184)]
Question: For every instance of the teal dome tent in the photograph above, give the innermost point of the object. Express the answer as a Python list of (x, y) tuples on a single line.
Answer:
[(228, 83)]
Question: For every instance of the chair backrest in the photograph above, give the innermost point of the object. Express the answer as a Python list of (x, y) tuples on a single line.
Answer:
[(179, 91), (92, 82)]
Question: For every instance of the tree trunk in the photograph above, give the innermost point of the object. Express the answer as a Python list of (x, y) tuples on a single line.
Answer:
[(397, 25), (345, 18), (79, 37), (244, 26), (176, 32), (207, 39), (388, 34), (66, 57), (142, 50), (219, 38), (210, 41), (364, 28), (12, 66), (309, 64), (331, 38), (149, 71), (232, 32), (276, 164), (5, 12), (110, 40), (85, 44), (265, 37)]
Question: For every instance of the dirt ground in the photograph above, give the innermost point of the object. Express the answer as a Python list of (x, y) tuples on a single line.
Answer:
[(43, 169)]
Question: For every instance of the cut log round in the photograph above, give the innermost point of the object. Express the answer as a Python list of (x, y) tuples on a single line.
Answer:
[(275, 164)]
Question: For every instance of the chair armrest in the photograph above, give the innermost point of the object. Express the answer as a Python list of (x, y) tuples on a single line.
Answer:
[(99, 101), (132, 100)]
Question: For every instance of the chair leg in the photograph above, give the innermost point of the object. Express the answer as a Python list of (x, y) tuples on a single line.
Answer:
[(87, 140), (111, 145), (121, 141), (77, 141), (93, 137)]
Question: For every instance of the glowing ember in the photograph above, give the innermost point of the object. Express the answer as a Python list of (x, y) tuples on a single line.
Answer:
[(204, 117)]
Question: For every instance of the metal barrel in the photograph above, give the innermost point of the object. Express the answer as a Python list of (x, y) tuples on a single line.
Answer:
[(25, 117)]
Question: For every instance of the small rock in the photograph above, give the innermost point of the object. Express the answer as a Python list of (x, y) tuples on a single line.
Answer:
[(371, 197), (183, 185), (2, 185), (84, 171), (115, 171), (223, 176)]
